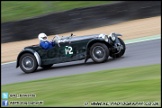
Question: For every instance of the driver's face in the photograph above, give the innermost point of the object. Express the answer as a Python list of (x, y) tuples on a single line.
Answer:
[(44, 37)]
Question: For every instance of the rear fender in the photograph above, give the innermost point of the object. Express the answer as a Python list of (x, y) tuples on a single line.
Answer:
[(37, 56)]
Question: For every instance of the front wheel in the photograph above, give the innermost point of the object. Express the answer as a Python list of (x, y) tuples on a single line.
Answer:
[(28, 63), (113, 55), (99, 52)]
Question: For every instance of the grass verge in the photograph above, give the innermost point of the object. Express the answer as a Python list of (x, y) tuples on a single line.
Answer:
[(17, 10), (135, 84)]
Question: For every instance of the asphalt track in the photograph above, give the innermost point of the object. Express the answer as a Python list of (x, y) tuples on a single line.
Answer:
[(137, 54)]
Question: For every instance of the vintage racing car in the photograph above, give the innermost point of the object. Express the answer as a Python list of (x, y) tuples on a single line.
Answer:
[(98, 47)]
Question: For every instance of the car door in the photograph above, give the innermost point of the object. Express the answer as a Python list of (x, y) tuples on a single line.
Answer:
[(79, 49)]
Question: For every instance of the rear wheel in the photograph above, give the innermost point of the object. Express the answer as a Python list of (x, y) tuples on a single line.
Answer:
[(28, 63), (46, 66), (99, 52), (117, 55)]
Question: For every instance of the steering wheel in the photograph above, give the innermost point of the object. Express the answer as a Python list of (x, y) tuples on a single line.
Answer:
[(56, 39), (53, 40)]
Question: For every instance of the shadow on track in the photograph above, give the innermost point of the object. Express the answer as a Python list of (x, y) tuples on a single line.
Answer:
[(81, 63)]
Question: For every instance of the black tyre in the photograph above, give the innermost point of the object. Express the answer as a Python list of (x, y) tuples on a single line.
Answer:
[(46, 66), (28, 63), (99, 52), (121, 52)]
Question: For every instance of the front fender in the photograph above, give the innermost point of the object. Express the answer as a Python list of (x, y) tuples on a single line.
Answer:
[(37, 56), (116, 36), (93, 41)]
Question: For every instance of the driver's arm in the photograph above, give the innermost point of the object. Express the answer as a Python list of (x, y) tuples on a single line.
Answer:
[(52, 43)]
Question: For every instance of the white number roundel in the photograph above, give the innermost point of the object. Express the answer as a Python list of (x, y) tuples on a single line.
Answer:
[(68, 50)]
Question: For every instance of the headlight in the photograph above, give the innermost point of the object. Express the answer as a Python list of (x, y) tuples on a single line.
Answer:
[(112, 37), (103, 36), (106, 38)]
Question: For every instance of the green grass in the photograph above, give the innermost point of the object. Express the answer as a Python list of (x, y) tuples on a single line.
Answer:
[(17, 10), (137, 84)]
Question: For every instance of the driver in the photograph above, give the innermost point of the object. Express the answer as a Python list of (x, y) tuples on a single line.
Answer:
[(44, 43)]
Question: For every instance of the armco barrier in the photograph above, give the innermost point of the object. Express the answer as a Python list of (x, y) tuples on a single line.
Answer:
[(80, 18)]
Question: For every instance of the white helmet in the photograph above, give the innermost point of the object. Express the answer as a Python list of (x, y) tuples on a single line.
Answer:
[(42, 37)]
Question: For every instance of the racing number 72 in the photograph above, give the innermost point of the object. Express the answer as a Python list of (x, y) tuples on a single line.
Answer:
[(68, 50)]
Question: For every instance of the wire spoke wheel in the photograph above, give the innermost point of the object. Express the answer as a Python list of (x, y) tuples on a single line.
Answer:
[(122, 50), (28, 63), (99, 52)]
